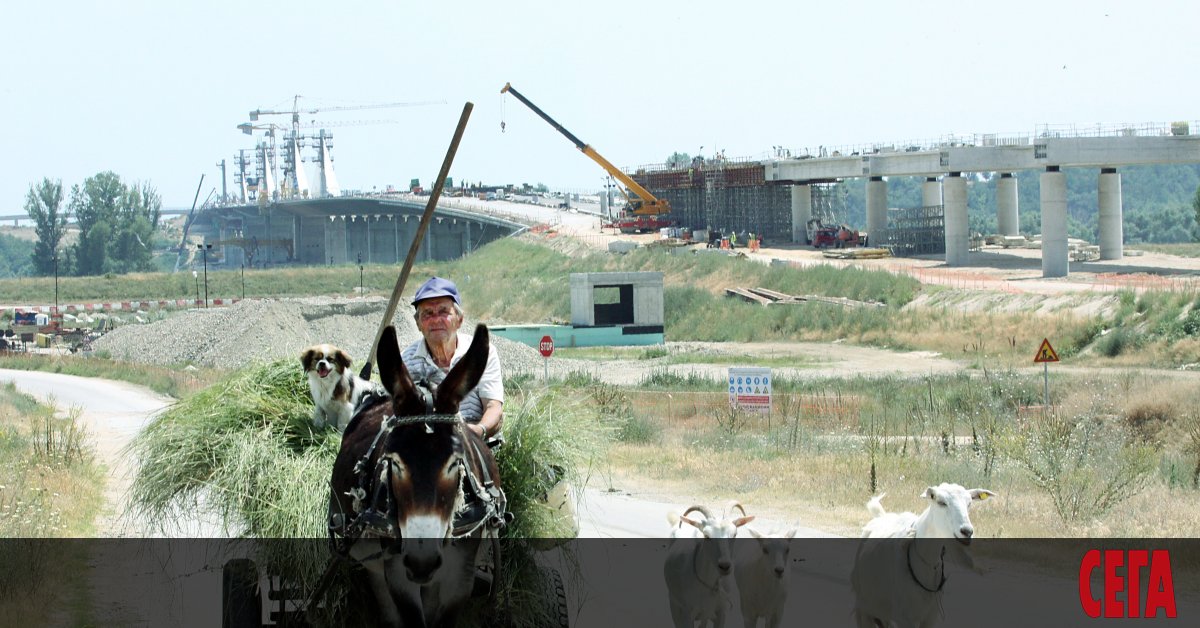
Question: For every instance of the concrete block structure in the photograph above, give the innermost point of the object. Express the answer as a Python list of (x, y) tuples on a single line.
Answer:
[(607, 309), (632, 299)]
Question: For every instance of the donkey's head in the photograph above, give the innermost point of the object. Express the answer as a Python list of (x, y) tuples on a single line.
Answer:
[(426, 451)]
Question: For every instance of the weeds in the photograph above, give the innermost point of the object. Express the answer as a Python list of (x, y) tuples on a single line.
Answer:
[(1086, 465)]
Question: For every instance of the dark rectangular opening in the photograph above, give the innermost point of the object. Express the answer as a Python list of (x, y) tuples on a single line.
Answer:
[(613, 304)]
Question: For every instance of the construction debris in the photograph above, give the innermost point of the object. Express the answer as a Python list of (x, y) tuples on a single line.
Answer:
[(766, 296), (872, 253)]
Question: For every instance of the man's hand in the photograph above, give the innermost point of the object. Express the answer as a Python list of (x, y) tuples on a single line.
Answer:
[(478, 429)]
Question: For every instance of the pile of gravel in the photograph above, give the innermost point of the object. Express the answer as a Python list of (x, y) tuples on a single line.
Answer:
[(264, 330)]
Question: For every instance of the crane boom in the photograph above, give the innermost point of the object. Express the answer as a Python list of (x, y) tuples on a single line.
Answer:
[(646, 205), (295, 111)]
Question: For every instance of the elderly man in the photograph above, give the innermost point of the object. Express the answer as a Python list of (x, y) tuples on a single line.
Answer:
[(439, 314)]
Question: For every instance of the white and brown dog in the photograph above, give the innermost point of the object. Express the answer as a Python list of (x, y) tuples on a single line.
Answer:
[(336, 391)]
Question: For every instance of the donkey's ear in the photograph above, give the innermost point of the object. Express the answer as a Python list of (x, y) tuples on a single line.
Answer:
[(392, 374), (465, 375)]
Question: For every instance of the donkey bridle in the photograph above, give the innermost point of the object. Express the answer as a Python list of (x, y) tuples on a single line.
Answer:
[(380, 516)]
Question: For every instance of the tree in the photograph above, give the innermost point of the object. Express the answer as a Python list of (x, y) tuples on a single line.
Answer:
[(679, 160), (43, 203), (116, 225), (95, 203), (137, 219), (1196, 210)]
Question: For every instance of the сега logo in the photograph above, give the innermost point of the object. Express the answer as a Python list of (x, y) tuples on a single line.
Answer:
[(1160, 590)]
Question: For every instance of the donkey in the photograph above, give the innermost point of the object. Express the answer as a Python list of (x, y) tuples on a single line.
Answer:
[(399, 501)]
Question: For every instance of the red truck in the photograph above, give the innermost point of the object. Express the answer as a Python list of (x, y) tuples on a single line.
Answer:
[(835, 236)]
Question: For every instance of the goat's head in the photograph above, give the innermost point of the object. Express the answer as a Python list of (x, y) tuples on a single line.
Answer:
[(949, 515), (775, 549), (712, 526), (716, 528)]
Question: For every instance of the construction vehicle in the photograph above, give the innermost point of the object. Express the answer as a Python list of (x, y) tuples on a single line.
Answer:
[(643, 211), (824, 236)]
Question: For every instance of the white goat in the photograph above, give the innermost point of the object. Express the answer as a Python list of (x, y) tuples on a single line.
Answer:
[(695, 566), (898, 577), (762, 572)]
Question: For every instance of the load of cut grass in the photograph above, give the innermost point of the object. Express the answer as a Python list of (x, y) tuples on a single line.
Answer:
[(245, 450)]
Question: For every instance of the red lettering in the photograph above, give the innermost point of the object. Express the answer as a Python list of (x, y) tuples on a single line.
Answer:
[(1091, 562), (1162, 586), (1137, 560), (1113, 584)]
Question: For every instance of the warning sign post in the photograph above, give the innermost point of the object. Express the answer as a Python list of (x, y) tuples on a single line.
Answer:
[(750, 388), (1046, 354)]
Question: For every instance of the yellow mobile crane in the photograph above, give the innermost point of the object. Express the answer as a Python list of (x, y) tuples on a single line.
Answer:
[(644, 212)]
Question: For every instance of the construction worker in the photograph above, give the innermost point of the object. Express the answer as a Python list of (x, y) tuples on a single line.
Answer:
[(733, 239)]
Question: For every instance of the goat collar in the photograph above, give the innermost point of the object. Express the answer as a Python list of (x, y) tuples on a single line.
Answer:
[(941, 569)]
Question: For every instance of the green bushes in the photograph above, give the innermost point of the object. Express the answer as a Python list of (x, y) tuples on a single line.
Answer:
[(1087, 465)]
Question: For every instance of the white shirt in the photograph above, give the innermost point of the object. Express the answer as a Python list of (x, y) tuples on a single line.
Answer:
[(421, 366)]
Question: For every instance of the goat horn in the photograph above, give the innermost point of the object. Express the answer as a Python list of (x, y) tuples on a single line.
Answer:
[(702, 509), (738, 505)]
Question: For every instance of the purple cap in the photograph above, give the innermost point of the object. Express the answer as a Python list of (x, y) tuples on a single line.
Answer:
[(436, 287)]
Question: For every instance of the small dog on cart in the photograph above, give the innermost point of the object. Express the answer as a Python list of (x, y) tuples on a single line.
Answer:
[(336, 391)]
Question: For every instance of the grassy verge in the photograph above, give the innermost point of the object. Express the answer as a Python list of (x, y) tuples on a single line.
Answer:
[(1103, 462), (50, 487), (174, 382), (1184, 249), (527, 280), (660, 355)]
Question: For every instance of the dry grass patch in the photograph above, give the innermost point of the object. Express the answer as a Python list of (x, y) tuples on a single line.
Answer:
[(817, 471)]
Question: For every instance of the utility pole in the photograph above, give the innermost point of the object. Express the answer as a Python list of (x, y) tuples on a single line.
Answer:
[(224, 190), (204, 250)]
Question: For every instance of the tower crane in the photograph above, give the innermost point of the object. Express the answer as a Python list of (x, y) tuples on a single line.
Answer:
[(295, 111), (294, 182)]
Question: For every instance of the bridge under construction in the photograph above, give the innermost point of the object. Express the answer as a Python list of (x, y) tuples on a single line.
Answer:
[(778, 196)]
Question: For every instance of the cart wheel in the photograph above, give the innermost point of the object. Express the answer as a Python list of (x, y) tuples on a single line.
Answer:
[(557, 601), (241, 599)]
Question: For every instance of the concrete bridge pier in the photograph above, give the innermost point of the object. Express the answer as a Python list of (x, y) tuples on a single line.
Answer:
[(1054, 222), (877, 211), (801, 213), (335, 240), (958, 236), (1007, 220), (1112, 232), (931, 192)]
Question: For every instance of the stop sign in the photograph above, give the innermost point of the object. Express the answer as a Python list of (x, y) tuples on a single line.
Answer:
[(546, 346)]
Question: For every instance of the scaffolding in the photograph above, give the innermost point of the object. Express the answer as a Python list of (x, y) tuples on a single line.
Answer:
[(917, 230), (723, 194), (829, 202)]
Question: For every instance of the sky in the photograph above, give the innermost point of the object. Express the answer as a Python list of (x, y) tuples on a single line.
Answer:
[(154, 91)]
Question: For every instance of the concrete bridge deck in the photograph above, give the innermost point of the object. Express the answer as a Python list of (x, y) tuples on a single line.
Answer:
[(343, 230)]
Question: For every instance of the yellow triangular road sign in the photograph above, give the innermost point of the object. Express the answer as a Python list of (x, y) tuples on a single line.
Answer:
[(1046, 353)]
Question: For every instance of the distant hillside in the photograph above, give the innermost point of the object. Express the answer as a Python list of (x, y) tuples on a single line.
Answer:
[(16, 257)]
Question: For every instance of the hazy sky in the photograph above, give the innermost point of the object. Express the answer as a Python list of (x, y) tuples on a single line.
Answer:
[(154, 90)]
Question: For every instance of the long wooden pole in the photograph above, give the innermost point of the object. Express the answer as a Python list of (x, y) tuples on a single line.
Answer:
[(426, 218)]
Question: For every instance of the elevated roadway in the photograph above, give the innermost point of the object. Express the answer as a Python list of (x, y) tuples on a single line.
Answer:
[(377, 229), (943, 166)]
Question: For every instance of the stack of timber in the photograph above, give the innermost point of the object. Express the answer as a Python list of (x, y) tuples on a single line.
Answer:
[(765, 296), (872, 253)]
